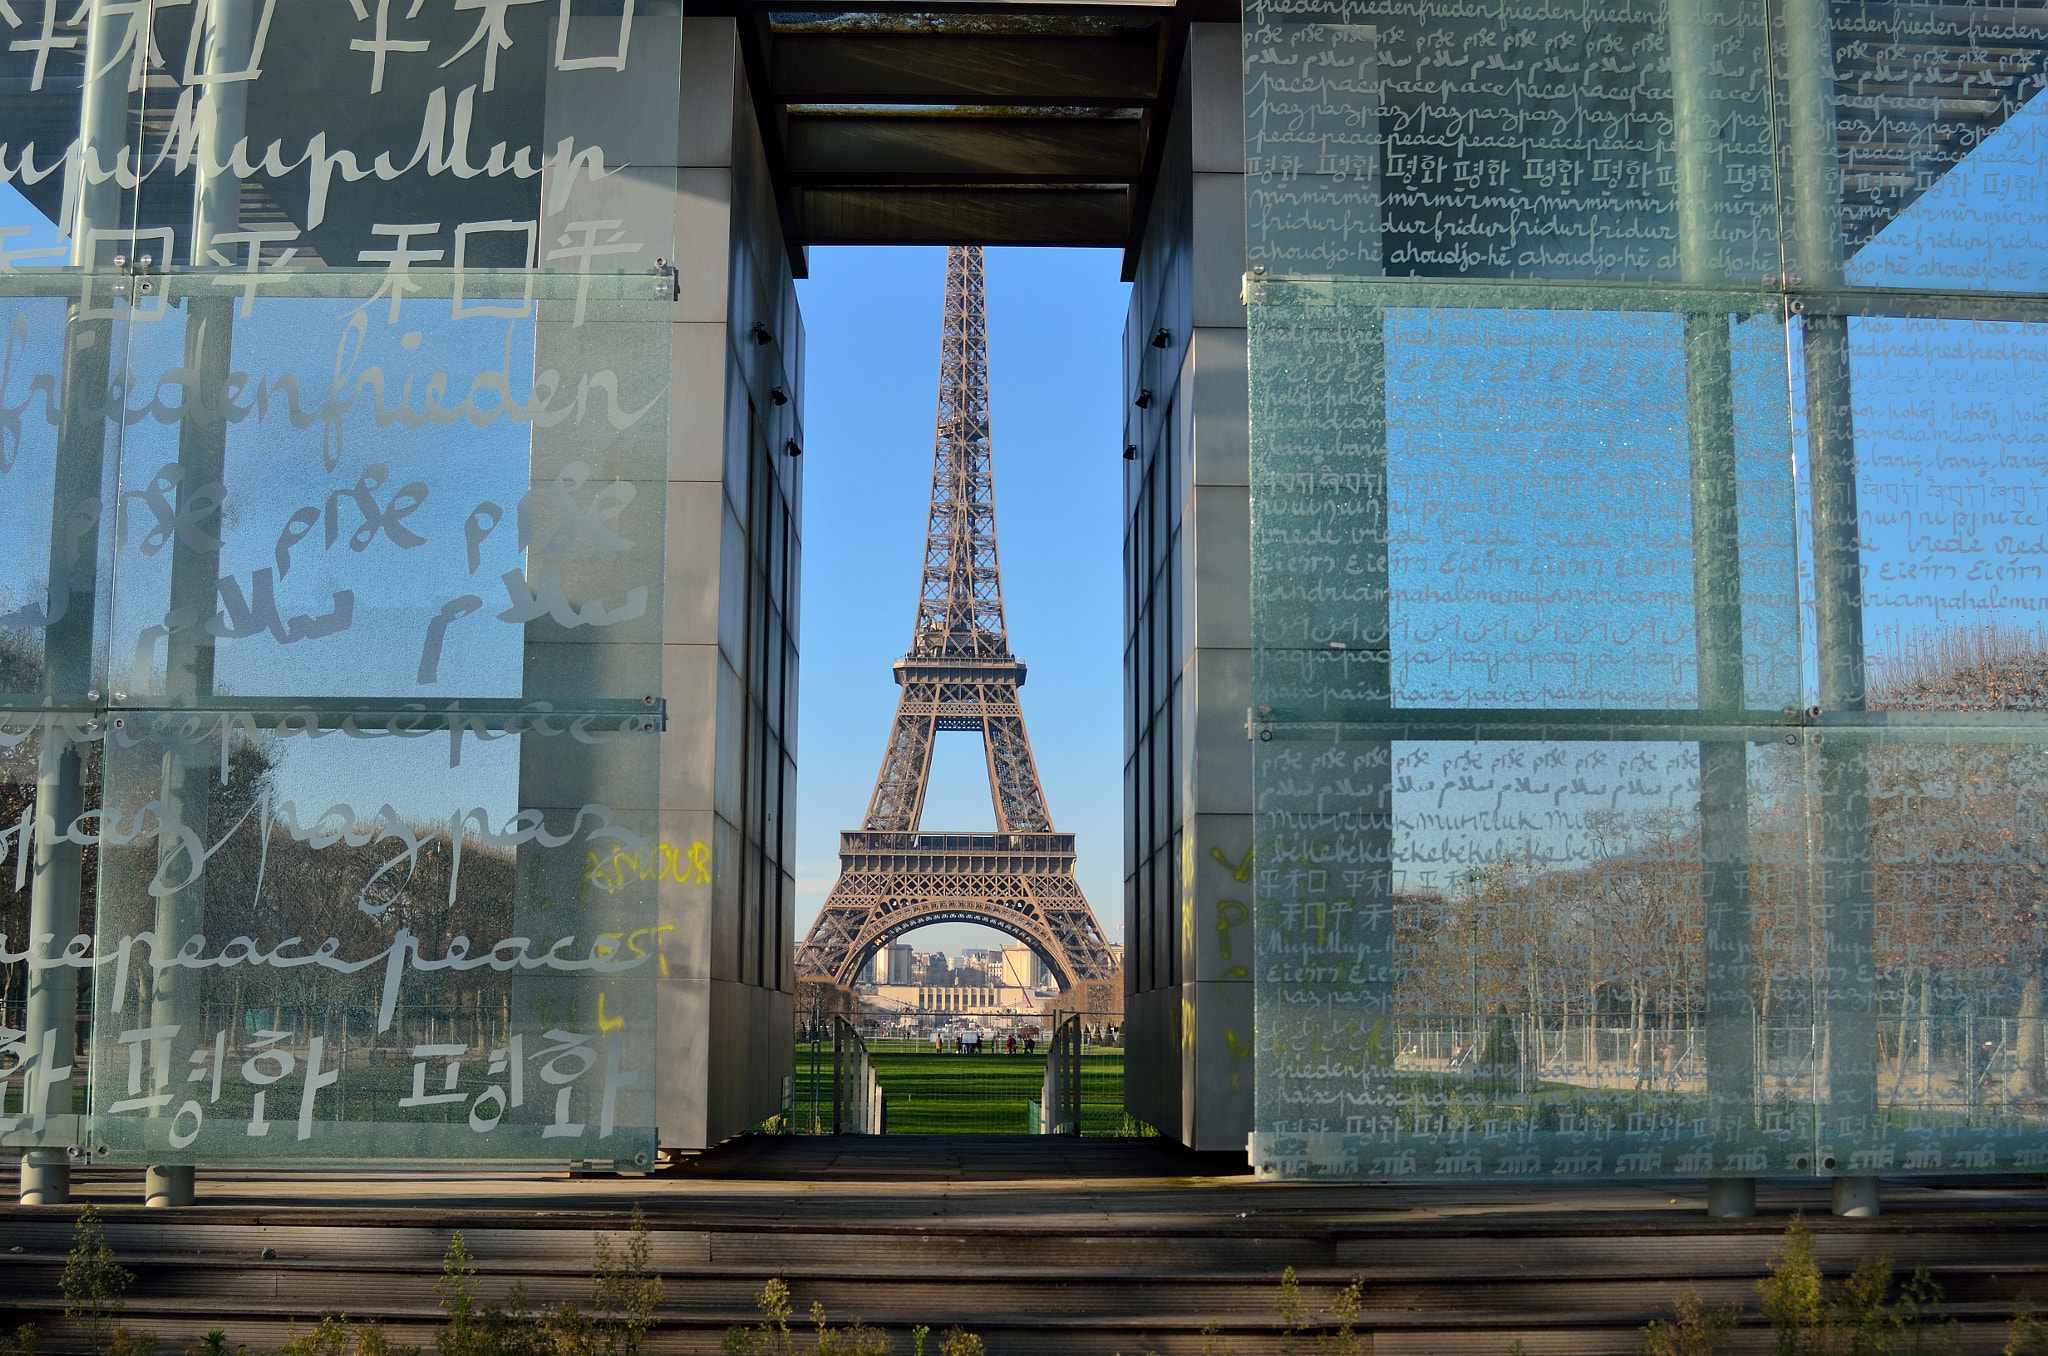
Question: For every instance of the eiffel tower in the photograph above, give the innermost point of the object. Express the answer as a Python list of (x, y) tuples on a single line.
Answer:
[(959, 675)]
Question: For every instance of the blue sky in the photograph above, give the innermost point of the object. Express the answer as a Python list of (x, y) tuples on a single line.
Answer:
[(871, 318)]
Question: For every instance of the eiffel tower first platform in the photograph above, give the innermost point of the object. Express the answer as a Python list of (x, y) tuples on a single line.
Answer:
[(959, 675)]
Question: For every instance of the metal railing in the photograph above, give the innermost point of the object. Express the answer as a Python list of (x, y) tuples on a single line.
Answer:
[(1060, 1101), (857, 1105)]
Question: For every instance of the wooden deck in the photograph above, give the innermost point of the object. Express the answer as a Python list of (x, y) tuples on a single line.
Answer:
[(1041, 1245)]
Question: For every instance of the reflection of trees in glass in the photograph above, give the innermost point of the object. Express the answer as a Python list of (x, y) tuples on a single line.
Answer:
[(1959, 881), (356, 881), (1960, 852), (21, 657), (21, 670), (1614, 942)]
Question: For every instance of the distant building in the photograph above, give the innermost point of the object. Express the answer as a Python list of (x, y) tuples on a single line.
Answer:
[(1021, 968)]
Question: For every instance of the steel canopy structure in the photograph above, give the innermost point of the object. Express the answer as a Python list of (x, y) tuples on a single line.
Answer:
[(1033, 124)]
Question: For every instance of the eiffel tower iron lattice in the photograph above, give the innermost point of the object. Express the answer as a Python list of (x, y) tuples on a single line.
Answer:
[(959, 675)]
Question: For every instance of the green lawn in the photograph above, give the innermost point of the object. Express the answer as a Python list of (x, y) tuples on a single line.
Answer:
[(929, 1093)]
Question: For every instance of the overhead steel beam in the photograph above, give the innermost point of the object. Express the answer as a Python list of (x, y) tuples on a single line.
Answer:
[(999, 215), (824, 67), (1100, 148)]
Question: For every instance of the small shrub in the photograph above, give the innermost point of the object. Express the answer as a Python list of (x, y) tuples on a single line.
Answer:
[(1694, 1330), (1793, 1296), (457, 1290), (127, 1342), (94, 1283), (1298, 1319), (858, 1340), (1858, 1323), (960, 1342), (1342, 1341), (2026, 1335), (329, 1337), (769, 1337), (371, 1340), (1810, 1317), (22, 1343), (475, 1328), (1293, 1311), (1923, 1319), (624, 1293), (332, 1336)]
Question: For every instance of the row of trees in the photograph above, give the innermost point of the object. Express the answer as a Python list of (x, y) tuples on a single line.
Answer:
[(270, 886), (1955, 885)]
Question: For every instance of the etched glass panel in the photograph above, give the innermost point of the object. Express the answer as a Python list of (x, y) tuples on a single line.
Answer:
[(1928, 1045), (1951, 502), (1483, 504), (1915, 142), (1758, 568), (397, 938), (335, 353), (58, 452), (50, 769), (1521, 141), (1539, 958), (422, 497)]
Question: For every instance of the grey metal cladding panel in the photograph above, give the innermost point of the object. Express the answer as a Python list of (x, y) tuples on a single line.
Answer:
[(972, 69), (850, 143), (1169, 227), (709, 56), (1223, 768), (1219, 252), (942, 216), (1215, 97), (1223, 566), (1218, 380)]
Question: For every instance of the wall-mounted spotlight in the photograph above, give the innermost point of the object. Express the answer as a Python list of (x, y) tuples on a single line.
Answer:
[(1145, 399), (779, 396), (761, 334), (792, 448), (1163, 339), (1130, 451)]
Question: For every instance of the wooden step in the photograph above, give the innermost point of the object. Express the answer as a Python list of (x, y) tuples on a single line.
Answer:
[(1038, 1252)]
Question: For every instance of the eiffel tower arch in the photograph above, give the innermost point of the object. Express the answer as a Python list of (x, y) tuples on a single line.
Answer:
[(958, 675)]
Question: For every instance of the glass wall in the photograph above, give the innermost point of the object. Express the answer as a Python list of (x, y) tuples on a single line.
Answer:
[(1650, 632), (334, 411)]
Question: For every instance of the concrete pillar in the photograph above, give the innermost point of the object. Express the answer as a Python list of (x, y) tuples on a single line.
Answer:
[(1731, 1198), (1702, 103), (1188, 893), (1856, 1197), (45, 1177), (68, 676), (174, 1185), (1849, 1048), (734, 489)]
